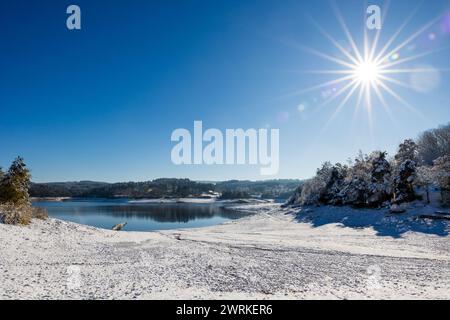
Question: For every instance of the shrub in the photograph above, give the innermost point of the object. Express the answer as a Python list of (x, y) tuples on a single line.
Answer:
[(39, 213), (311, 191), (20, 214), (14, 214)]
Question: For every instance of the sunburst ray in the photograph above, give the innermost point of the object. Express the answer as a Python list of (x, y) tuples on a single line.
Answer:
[(347, 31)]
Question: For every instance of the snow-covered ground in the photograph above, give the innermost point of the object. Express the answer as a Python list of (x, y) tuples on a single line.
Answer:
[(308, 253)]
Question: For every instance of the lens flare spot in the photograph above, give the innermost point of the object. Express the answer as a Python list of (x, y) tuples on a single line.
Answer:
[(445, 24), (425, 81), (395, 56)]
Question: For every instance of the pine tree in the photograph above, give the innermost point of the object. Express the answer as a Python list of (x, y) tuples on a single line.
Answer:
[(15, 183), (403, 182), (380, 184), (408, 150)]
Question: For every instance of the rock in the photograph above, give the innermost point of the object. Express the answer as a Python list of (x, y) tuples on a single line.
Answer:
[(119, 226), (396, 209)]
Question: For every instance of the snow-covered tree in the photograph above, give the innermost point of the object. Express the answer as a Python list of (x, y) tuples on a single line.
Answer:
[(335, 181), (310, 192), (433, 144), (296, 197), (407, 150), (314, 189), (15, 183), (379, 189), (404, 178), (441, 171), (354, 192), (425, 178)]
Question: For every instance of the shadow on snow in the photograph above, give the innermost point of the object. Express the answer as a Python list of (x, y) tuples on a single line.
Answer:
[(381, 220)]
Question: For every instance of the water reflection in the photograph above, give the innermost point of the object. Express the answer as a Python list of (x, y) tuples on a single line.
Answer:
[(169, 212), (140, 217)]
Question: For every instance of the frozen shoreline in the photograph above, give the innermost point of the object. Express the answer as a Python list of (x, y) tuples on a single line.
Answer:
[(271, 255)]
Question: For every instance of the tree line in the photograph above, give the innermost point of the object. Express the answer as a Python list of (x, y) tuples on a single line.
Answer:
[(165, 188)]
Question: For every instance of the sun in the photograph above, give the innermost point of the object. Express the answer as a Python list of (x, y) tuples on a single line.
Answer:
[(367, 72)]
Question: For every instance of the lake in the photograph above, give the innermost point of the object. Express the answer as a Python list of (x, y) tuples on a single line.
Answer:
[(139, 216)]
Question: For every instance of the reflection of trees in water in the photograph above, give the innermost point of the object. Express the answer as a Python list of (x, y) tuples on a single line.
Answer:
[(165, 213)]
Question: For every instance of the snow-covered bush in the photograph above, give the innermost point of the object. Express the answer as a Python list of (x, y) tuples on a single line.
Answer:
[(425, 178), (333, 177), (441, 171), (354, 190), (310, 192), (314, 188), (404, 178), (295, 199), (407, 150), (14, 214), (365, 182), (380, 186), (20, 214), (324, 187)]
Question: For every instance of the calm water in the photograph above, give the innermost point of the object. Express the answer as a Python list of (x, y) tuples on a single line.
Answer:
[(139, 216)]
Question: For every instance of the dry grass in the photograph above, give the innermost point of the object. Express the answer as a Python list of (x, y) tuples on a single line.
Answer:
[(20, 214)]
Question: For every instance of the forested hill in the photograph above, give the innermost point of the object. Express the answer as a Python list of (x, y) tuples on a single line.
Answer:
[(165, 188)]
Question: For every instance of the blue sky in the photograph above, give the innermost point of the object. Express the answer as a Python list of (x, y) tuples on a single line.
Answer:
[(101, 103)]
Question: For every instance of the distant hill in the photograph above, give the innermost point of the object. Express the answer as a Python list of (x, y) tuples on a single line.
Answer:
[(165, 188), (268, 189)]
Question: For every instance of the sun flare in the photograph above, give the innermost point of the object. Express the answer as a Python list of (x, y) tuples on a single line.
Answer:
[(367, 72)]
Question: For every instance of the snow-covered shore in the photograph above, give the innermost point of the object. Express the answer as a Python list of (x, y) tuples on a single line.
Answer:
[(275, 254)]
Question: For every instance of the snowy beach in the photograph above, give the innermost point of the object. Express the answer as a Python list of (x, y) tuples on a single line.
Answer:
[(275, 254)]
